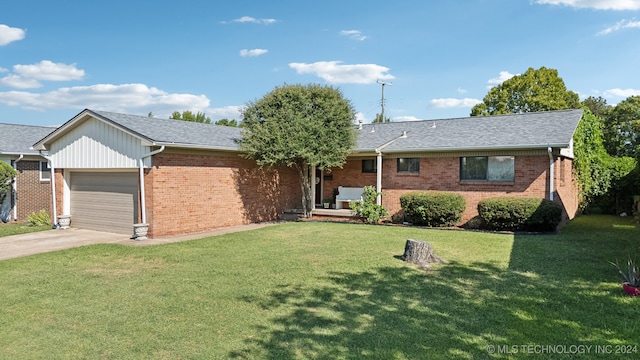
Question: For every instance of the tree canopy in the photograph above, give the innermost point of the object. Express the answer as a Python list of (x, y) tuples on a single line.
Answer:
[(535, 90), (299, 126), (187, 115), (622, 128), (227, 122)]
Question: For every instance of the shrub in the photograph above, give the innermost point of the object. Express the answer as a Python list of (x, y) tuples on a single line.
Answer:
[(7, 173), (40, 218), (433, 208), (367, 209), (519, 214)]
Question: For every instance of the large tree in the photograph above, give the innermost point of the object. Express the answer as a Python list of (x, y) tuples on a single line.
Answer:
[(535, 90), (299, 126), (622, 128), (187, 115)]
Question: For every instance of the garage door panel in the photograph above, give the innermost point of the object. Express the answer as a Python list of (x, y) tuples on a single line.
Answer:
[(104, 201)]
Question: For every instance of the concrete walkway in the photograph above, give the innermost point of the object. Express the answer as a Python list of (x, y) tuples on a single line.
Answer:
[(15, 246)]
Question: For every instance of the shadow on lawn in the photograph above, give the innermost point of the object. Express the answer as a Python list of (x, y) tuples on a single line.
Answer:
[(403, 312)]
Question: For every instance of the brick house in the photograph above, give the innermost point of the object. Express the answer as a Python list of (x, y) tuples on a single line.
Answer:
[(115, 170), (112, 170), (528, 155), (32, 187)]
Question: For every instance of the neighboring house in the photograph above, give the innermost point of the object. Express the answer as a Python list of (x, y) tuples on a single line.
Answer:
[(528, 155), (32, 186), (114, 170)]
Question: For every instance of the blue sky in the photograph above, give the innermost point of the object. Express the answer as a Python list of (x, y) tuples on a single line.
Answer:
[(441, 57)]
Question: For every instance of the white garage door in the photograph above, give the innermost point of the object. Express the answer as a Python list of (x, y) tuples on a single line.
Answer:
[(104, 201)]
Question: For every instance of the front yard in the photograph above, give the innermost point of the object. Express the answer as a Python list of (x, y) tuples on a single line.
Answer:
[(323, 290)]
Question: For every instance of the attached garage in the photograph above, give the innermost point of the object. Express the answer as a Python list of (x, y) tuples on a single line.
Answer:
[(104, 201)]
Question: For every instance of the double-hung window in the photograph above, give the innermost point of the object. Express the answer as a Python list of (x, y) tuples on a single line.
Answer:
[(45, 171), (487, 168)]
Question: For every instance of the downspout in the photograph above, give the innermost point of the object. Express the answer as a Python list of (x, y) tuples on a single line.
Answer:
[(143, 210), (551, 173), (378, 151), (53, 188), (15, 188)]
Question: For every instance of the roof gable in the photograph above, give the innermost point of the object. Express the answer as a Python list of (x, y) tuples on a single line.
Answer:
[(155, 131)]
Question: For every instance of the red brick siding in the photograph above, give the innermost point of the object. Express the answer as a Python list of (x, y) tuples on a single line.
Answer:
[(443, 174), (197, 192), (33, 195), (566, 187), (59, 174)]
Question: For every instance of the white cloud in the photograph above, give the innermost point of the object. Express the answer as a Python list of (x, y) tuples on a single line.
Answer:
[(19, 82), (462, 91), (623, 93), (49, 71), (595, 4), (622, 24), (405, 118), (128, 98), (504, 76), (249, 19), (334, 72), (227, 112), (253, 52), (29, 76), (454, 103), (10, 34), (353, 34)]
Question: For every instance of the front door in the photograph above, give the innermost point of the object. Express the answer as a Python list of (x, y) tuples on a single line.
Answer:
[(318, 198)]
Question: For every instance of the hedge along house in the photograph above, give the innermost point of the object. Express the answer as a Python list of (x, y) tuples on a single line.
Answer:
[(32, 186), (112, 171), (527, 155)]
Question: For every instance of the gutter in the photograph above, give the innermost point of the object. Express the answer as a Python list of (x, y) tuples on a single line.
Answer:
[(378, 151), (53, 188), (143, 209), (15, 188), (551, 172)]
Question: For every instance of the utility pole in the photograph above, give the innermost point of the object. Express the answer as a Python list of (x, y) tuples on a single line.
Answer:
[(382, 101)]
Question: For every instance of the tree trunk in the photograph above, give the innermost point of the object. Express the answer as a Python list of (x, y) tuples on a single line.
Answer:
[(420, 253), (305, 184)]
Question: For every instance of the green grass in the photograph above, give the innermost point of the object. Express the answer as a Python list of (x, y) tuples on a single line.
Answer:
[(325, 291), (20, 228)]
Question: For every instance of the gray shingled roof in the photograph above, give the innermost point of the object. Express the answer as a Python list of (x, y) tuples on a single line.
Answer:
[(514, 131), (172, 132), (18, 139)]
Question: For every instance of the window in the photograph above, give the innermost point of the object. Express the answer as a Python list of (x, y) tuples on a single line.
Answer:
[(45, 171), (408, 165), (487, 168), (369, 166)]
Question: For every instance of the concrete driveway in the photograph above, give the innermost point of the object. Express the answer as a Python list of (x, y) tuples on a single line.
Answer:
[(52, 240)]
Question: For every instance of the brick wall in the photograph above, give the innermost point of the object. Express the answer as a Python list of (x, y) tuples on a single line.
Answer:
[(33, 195), (190, 192), (443, 173)]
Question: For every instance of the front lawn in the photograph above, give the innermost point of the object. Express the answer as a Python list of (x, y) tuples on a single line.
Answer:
[(20, 228), (323, 290)]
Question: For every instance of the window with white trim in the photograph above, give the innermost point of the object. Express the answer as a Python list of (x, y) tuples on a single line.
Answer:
[(487, 168), (45, 171)]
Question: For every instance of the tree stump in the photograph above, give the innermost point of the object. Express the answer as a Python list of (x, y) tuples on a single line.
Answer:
[(420, 253)]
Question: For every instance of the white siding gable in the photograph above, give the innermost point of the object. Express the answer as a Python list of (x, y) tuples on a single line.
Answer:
[(95, 144)]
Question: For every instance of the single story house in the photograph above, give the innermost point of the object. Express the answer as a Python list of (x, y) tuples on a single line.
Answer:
[(527, 155), (112, 170), (32, 186)]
